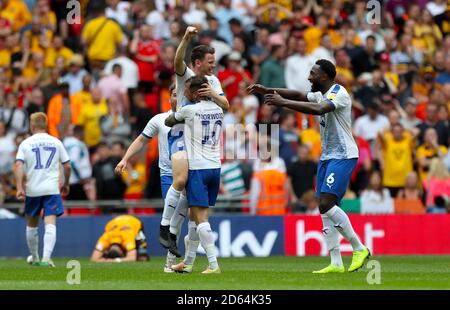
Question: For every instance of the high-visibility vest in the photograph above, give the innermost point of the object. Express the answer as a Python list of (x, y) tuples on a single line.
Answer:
[(273, 195)]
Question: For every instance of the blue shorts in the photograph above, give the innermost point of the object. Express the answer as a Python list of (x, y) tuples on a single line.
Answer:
[(52, 205), (202, 187), (333, 176), (175, 139), (166, 182)]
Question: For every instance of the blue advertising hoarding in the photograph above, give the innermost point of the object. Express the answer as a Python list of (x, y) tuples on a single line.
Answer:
[(236, 236)]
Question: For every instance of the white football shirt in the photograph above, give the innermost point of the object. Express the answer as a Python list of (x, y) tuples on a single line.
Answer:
[(181, 79), (202, 129), (336, 126), (42, 155), (156, 126)]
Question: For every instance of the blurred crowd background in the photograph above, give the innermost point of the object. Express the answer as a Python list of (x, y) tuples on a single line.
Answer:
[(101, 77)]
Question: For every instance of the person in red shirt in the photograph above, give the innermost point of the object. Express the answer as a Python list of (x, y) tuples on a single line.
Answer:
[(233, 75), (145, 51)]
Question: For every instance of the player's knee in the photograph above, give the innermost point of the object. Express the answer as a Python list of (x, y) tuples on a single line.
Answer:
[(324, 206), (179, 181)]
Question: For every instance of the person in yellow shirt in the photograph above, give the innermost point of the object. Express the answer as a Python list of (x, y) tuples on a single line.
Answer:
[(39, 36), (91, 113), (5, 53), (101, 36), (16, 11), (427, 151), (135, 176), (46, 16), (123, 240), (57, 49), (311, 138), (344, 74), (397, 157), (313, 35)]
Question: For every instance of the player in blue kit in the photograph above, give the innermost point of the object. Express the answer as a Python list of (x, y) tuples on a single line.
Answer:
[(203, 124), (332, 103)]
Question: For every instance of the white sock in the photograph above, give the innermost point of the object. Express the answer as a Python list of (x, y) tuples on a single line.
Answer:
[(170, 257), (207, 240), (342, 224), (170, 203), (194, 240), (49, 241), (331, 236), (176, 222), (33, 242)]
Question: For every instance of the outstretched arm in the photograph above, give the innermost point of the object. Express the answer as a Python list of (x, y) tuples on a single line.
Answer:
[(135, 147), (283, 92), (313, 108), (180, 66)]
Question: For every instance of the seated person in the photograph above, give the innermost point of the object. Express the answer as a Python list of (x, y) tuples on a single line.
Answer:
[(122, 241)]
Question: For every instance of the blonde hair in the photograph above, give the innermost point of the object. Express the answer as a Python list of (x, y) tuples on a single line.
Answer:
[(38, 121), (438, 169)]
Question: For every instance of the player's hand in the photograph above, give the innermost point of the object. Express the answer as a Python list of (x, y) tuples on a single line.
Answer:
[(20, 195), (273, 99), (257, 88), (190, 32), (205, 91), (121, 167), (65, 190)]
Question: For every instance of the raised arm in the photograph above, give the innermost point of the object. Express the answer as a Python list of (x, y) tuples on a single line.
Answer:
[(313, 108), (180, 66), (283, 92)]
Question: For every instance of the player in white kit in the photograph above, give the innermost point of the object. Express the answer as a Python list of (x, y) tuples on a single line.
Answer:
[(203, 64), (333, 104), (38, 159), (203, 120), (176, 213)]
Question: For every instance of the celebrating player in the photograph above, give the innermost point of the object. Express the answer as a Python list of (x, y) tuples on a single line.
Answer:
[(338, 159), (40, 156), (122, 241), (155, 127), (203, 64), (203, 123)]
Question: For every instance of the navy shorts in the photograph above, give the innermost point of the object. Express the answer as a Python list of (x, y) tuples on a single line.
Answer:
[(175, 139), (333, 176), (166, 182), (52, 205), (202, 187)]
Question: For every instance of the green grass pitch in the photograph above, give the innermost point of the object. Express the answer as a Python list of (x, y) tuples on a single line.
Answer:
[(290, 273)]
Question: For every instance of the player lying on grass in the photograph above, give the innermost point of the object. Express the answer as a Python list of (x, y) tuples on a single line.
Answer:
[(174, 211), (203, 124), (122, 241), (333, 104), (203, 64), (38, 161)]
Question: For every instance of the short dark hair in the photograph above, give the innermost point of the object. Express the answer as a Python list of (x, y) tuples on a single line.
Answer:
[(196, 82), (327, 67), (200, 51), (372, 37), (120, 143), (114, 251), (78, 130), (116, 66), (234, 21), (275, 48)]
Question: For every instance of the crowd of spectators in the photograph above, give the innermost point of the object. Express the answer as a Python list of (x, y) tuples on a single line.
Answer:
[(102, 77)]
